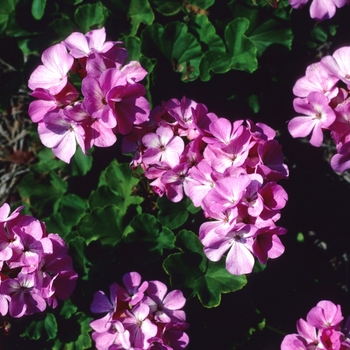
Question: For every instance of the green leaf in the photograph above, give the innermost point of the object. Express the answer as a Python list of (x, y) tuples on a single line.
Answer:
[(241, 48), (34, 330), (133, 45), (271, 32), (71, 207), (203, 4), (173, 215), (191, 270), (47, 161), (38, 8), (50, 325), (217, 62), (68, 309), (81, 163), (6, 8), (103, 224), (43, 193), (89, 15), (177, 45), (82, 339), (77, 249), (146, 228), (140, 12), (167, 7), (253, 102), (207, 33), (121, 182), (54, 224)]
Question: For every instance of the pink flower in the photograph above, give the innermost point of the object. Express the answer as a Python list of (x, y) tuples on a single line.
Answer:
[(61, 134), (319, 116), (162, 146), (25, 298), (320, 9), (52, 75), (317, 79), (325, 314), (165, 307), (338, 64), (237, 240), (81, 45), (134, 289), (140, 327)]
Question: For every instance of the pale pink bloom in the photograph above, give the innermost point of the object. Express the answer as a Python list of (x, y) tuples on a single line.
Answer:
[(317, 79), (61, 134), (81, 45), (232, 155), (162, 146), (325, 314), (134, 72), (115, 337), (223, 132), (200, 182), (320, 9), (338, 64), (52, 75), (318, 116), (237, 240), (226, 194)]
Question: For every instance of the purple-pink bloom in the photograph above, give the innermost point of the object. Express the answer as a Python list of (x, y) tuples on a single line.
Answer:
[(165, 307), (140, 326), (134, 289), (25, 298)]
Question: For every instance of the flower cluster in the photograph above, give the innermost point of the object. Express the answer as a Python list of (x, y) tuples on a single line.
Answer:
[(35, 266), (228, 169), (110, 102), (324, 102), (320, 9), (139, 315), (321, 330)]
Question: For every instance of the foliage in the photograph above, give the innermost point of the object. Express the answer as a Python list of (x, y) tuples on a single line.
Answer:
[(241, 58)]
